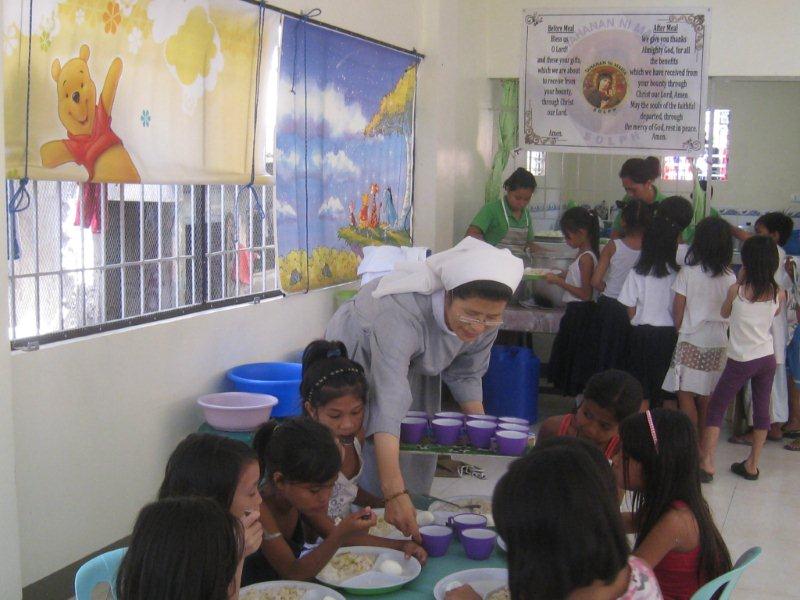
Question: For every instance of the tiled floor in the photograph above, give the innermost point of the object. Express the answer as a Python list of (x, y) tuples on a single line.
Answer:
[(764, 513)]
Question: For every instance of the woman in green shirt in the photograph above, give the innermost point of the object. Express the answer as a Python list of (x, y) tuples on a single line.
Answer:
[(637, 176), (506, 223)]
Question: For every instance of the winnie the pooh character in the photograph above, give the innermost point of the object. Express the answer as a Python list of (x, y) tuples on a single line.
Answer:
[(90, 141)]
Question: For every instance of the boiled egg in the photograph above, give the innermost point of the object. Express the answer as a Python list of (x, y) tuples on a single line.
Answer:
[(425, 517), (391, 567)]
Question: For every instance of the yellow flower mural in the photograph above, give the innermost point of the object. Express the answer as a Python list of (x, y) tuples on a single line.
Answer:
[(112, 18), (191, 51)]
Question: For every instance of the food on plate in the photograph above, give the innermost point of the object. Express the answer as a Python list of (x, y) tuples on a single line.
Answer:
[(537, 271), (425, 517), (346, 565), (453, 585), (499, 594), (391, 567), (550, 233), (281, 593), (384, 529)]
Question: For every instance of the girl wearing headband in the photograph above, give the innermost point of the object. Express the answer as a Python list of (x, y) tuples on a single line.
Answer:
[(675, 532)]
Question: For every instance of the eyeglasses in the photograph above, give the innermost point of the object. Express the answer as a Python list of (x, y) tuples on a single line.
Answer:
[(482, 322)]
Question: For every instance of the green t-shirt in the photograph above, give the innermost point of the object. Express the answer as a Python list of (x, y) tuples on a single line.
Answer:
[(492, 221), (617, 226)]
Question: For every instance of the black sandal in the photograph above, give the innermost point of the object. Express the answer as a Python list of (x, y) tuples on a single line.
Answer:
[(740, 470)]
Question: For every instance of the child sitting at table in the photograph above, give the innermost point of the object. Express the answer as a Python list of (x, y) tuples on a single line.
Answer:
[(557, 511), (182, 548), (609, 397), (334, 391), (222, 469), (675, 532)]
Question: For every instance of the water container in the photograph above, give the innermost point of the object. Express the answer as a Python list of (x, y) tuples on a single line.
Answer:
[(279, 379), (511, 385), (793, 245)]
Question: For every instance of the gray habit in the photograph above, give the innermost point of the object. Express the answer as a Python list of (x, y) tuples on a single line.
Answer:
[(406, 355)]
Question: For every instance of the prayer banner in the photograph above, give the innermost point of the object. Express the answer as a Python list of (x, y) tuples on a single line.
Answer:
[(604, 81)]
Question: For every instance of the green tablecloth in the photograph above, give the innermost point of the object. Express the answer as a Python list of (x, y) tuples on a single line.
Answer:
[(438, 568)]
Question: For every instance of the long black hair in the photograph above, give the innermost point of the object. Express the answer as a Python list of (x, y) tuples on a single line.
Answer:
[(301, 449), (615, 391), (671, 472), (712, 247), (521, 178), (760, 262), (329, 374), (576, 218), (181, 548), (676, 209), (641, 170), (556, 508), (659, 246), (635, 215), (206, 465)]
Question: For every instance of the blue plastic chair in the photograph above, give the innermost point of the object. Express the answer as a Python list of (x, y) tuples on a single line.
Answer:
[(100, 569), (726, 582)]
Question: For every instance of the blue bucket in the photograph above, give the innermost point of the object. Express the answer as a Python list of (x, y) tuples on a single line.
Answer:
[(511, 384), (279, 379)]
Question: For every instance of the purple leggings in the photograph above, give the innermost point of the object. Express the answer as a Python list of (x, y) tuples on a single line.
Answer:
[(761, 371)]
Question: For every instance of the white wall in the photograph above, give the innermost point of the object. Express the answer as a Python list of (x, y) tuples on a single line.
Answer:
[(747, 38), (10, 574), (96, 418)]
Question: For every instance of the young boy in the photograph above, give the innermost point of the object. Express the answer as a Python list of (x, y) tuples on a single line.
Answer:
[(778, 226)]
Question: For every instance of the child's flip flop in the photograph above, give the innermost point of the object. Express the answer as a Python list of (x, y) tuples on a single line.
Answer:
[(793, 446), (740, 470)]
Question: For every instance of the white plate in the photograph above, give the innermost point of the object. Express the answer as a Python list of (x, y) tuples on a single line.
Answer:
[(483, 581), (374, 579), (437, 506), (313, 591)]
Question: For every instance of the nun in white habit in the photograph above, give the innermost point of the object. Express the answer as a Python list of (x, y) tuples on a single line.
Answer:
[(422, 324)]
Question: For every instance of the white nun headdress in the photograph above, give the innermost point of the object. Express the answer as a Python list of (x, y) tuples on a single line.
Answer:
[(470, 260)]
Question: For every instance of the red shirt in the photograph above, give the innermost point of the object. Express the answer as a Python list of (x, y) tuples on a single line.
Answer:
[(678, 572), (87, 148)]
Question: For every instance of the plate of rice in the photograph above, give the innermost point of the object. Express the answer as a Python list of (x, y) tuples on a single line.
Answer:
[(387, 530), (288, 590), (489, 584), (369, 570)]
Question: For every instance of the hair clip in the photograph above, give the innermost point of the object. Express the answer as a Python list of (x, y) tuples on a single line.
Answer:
[(652, 429)]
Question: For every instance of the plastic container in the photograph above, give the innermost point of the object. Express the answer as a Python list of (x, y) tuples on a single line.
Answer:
[(478, 543), (278, 379), (436, 539), (511, 384), (446, 431), (236, 411), (412, 430), (480, 433), (511, 443)]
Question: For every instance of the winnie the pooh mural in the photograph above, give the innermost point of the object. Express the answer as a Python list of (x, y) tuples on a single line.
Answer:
[(90, 140)]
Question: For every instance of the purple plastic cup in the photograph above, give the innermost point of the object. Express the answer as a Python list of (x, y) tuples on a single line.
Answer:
[(446, 431), (480, 433), (478, 543), (412, 430), (463, 521), (513, 427), (515, 421), (491, 418), (419, 414), (511, 443), (436, 539), (450, 415)]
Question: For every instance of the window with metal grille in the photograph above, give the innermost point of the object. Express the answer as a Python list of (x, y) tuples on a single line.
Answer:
[(96, 257), (713, 164)]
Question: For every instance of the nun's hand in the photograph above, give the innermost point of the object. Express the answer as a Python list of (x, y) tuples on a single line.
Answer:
[(401, 513)]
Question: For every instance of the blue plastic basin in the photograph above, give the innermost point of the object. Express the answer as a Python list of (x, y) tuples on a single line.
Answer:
[(279, 379)]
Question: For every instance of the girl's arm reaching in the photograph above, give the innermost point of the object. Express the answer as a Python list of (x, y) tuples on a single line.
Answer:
[(584, 292)]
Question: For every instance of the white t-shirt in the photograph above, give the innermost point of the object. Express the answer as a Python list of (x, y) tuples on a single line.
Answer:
[(652, 297), (751, 329), (702, 323), (680, 255), (574, 276), (621, 263)]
